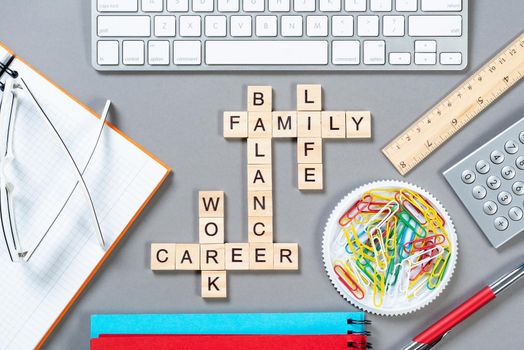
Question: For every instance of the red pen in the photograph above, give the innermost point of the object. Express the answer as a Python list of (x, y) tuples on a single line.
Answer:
[(434, 334)]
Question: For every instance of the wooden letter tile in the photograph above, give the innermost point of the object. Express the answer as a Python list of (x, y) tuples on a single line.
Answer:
[(214, 284), (285, 124), (259, 151), (285, 256), (211, 230), (260, 124), (187, 256), (237, 256), (235, 124), (309, 150), (310, 177), (334, 125), (259, 177), (358, 125), (309, 124), (261, 256), (309, 97), (162, 256), (260, 203), (211, 204), (212, 257), (259, 98), (260, 229)]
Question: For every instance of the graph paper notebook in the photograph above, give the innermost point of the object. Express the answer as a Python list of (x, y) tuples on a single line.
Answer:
[(121, 177)]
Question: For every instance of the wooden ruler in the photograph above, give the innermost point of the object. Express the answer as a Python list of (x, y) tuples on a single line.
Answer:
[(462, 105)]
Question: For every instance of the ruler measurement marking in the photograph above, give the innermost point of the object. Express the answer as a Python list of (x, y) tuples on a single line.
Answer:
[(458, 108)]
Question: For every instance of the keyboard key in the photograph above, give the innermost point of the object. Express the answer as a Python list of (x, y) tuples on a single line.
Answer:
[(519, 162), (496, 157), (518, 188), (346, 52), (511, 147), (131, 26), (479, 192), (253, 5), (158, 52), (190, 26), (504, 198), (493, 182), (178, 5), (425, 46), (165, 26), (501, 223), (435, 25), (374, 52), (342, 25), (240, 26), (202, 5), (266, 26), (490, 207), (228, 5), (468, 176), (450, 58), (107, 53), (482, 167), (399, 58), (425, 58), (291, 26), (215, 26), (304, 5), (152, 5), (316, 26), (117, 5), (133, 52), (441, 5), (355, 5), (266, 52), (508, 172), (330, 5), (393, 25), (515, 214), (406, 5), (186, 52), (367, 26), (380, 5), (279, 5)]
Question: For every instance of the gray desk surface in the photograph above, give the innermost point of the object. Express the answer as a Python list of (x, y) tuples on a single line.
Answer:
[(178, 118)]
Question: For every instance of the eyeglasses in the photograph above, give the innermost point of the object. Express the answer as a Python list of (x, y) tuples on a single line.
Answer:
[(19, 250)]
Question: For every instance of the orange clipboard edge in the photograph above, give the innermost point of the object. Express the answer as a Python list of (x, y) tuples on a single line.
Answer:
[(129, 224)]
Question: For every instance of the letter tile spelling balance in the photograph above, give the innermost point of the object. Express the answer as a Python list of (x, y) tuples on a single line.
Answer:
[(310, 125)]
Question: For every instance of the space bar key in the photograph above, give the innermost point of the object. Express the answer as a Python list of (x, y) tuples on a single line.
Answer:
[(230, 52)]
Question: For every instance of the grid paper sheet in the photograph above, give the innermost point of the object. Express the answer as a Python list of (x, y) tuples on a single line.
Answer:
[(120, 177)]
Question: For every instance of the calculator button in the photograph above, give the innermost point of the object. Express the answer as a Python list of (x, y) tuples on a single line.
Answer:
[(518, 188), (490, 207), (497, 157), (520, 163), (515, 213), (511, 147), (493, 182), (508, 172), (504, 198), (482, 166), (468, 176), (479, 192), (501, 223)]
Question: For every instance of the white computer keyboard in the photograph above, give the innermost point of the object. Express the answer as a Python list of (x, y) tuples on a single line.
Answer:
[(279, 34)]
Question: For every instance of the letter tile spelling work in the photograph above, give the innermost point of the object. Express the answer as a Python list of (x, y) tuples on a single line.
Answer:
[(259, 125)]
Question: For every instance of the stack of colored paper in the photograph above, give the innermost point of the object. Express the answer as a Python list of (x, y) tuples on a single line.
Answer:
[(291, 331)]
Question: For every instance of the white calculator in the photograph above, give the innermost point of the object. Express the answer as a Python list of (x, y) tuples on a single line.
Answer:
[(490, 183)]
